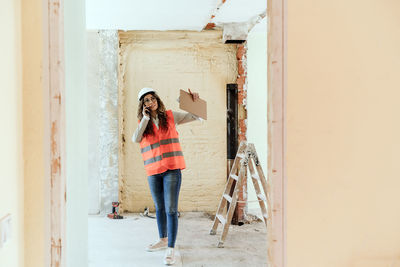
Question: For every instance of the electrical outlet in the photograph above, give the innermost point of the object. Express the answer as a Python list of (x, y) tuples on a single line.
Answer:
[(5, 229)]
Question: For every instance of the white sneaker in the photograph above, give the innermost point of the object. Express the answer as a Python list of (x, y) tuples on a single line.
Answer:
[(159, 245), (169, 258)]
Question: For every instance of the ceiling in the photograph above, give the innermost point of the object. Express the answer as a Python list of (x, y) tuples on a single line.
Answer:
[(168, 15)]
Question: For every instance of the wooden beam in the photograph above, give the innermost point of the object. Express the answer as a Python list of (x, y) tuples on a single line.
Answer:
[(56, 116), (277, 77)]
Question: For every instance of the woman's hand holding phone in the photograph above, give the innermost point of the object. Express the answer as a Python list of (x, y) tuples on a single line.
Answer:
[(146, 112)]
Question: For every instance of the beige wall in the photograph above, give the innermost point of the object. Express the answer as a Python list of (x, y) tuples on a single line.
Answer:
[(343, 133), (33, 127), (22, 180), (11, 163), (169, 61)]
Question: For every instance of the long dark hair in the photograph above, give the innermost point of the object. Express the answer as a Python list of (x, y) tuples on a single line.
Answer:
[(161, 113)]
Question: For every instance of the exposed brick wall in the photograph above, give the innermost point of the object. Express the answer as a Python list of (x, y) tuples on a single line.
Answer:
[(242, 90), (242, 121), (210, 26)]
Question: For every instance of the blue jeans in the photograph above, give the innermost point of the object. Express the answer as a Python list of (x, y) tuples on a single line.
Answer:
[(164, 189)]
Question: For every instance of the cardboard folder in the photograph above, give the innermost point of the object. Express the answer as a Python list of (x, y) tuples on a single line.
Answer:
[(198, 107)]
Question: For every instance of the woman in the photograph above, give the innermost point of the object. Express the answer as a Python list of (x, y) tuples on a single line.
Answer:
[(163, 161)]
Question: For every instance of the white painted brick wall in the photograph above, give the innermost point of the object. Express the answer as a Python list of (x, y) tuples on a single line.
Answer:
[(169, 62)]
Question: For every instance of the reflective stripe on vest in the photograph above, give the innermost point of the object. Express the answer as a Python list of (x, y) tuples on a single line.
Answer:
[(155, 145), (147, 162), (164, 155)]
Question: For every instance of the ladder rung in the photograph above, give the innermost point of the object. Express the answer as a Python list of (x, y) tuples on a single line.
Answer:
[(255, 176), (261, 196), (221, 218), (228, 198), (235, 177)]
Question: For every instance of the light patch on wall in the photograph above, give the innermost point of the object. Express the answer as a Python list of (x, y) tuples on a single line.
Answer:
[(103, 120), (257, 128)]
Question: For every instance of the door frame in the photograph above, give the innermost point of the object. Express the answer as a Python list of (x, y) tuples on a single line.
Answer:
[(55, 131), (277, 94), (54, 87)]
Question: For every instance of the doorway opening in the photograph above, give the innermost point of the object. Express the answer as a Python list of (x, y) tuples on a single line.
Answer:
[(276, 127)]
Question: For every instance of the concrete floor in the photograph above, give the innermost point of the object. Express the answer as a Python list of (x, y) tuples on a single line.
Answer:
[(121, 243)]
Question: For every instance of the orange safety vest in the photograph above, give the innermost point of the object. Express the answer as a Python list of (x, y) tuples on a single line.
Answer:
[(162, 151)]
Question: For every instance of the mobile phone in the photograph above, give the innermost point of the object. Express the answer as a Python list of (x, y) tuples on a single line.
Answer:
[(147, 111)]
